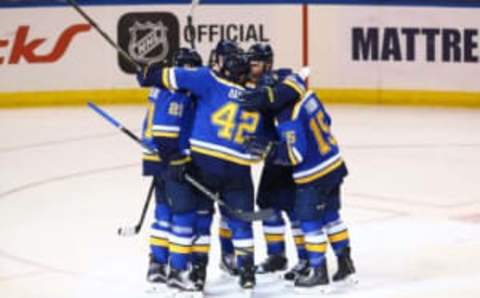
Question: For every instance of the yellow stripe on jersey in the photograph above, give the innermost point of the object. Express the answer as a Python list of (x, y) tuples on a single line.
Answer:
[(320, 174), (165, 134), (182, 161), (222, 155), (291, 155), (225, 233), (165, 78), (340, 236), (298, 105), (322, 248), (299, 240), (294, 86), (159, 242), (201, 249), (180, 249), (271, 96), (228, 83), (274, 237), (150, 157)]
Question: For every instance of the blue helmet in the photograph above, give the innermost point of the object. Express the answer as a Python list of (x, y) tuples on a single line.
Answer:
[(261, 52), (222, 49), (235, 67), (225, 47), (186, 56)]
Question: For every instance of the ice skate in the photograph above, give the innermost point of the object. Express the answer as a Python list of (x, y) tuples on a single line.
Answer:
[(272, 264), (315, 282), (156, 276), (301, 269), (157, 273), (180, 279), (199, 275), (346, 271), (247, 280)]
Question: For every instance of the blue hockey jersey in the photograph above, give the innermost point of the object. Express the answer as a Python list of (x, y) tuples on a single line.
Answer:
[(166, 127), (221, 124), (311, 147)]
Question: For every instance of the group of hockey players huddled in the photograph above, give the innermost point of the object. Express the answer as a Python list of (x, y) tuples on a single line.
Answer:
[(212, 123)]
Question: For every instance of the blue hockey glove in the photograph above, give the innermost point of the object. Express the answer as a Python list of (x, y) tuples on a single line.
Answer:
[(151, 75)]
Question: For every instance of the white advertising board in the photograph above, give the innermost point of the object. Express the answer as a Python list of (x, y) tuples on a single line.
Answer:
[(48, 49), (402, 48)]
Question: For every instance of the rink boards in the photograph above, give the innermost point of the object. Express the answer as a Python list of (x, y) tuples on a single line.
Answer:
[(407, 54)]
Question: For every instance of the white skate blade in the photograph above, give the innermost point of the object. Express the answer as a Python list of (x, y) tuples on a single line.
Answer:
[(350, 281), (248, 293), (189, 294), (164, 291), (318, 290), (155, 288)]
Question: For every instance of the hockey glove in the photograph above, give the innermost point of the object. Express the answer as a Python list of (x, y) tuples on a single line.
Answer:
[(150, 76), (178, 166), (271, 151), (260, 146)]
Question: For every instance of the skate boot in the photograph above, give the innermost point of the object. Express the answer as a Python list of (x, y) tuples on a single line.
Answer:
[(301, 269), (199, 275), (228, 265), (346, 270), (157, 273), (315, 282), (180, 280), (272, 264), (247, 279)]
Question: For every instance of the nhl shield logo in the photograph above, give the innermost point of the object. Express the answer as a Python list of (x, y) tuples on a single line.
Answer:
[(147, 37), (148, 42)]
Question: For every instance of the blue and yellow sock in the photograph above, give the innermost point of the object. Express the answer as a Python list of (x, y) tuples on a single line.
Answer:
[(299, 240), (181, 238), (242, 236), (315, 242), (160, 233), (337, 232), (274, 232), (201, 245), (225, 235)]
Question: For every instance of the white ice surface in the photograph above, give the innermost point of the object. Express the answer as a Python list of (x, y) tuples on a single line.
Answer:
[(68, 180)]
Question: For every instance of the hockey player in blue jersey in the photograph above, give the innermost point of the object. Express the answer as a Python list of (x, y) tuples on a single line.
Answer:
[(167, 127), (306, 143), (227, 259), (216, 142), (277, 188)]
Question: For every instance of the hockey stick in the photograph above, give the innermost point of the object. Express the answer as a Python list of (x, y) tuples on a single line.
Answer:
[(125, 55), (190, 27), (245, 216), (128, 231)]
